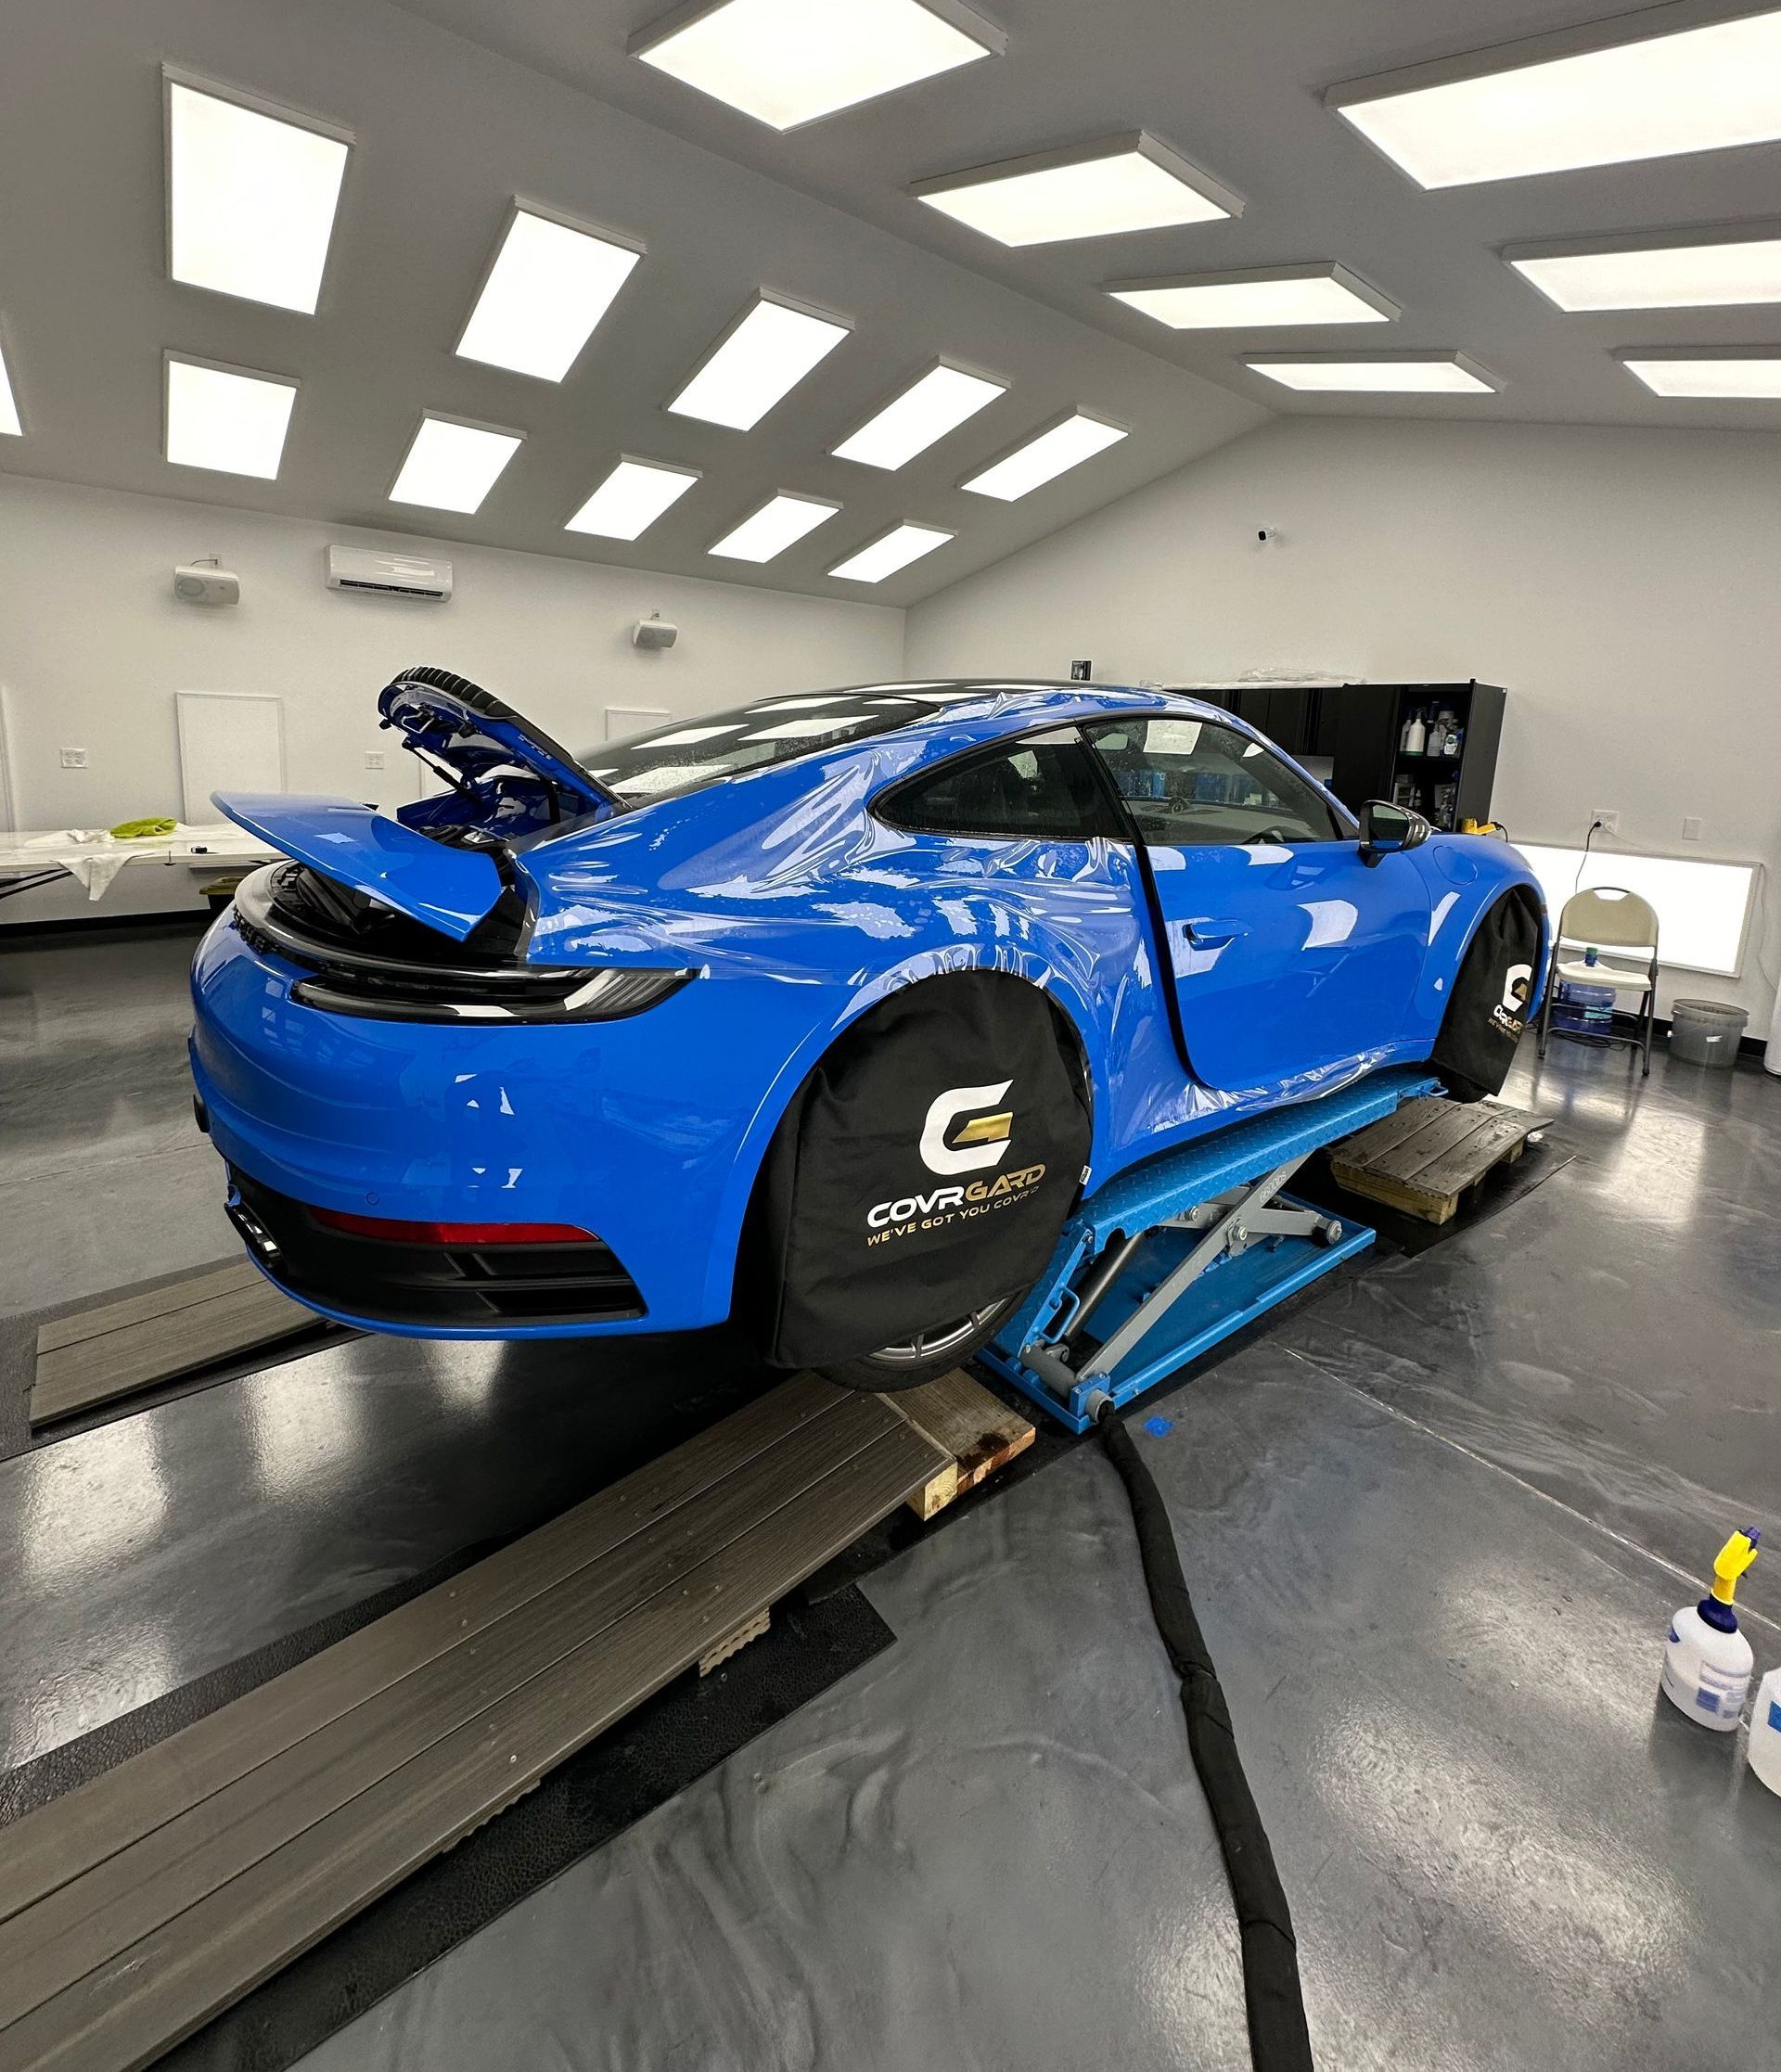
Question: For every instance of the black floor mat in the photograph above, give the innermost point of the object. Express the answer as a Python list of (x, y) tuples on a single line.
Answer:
[(1403, 1232)]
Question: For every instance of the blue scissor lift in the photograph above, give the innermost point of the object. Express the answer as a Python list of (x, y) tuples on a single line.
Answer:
[(1168, 1259)]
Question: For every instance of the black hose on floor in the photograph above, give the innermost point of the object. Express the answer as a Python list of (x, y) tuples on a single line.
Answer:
[(1279, 2040)]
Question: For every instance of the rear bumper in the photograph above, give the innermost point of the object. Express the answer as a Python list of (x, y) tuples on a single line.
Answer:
[(404, 1286), (636, 1129)]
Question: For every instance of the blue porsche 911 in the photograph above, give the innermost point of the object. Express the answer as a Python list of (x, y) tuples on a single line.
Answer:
[(819, 1015)]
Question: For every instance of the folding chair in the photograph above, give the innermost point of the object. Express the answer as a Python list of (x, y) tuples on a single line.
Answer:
[(1606, 917)]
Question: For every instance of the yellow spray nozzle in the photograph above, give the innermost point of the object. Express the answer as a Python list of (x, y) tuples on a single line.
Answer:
[(1730, 1563)]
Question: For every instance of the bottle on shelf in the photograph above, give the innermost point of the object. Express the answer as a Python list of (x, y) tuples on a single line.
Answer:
[(1415, 734), (1443, 739)]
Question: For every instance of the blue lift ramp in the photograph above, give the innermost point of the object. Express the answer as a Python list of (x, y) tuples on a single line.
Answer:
[(1166, 1261)]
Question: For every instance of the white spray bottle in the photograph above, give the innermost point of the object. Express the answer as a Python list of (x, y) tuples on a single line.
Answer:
[(1707, 1662)]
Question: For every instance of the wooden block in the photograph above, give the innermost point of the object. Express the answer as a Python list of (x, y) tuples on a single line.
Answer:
[(750, 1629), (975, 1428), (1423, 1158)]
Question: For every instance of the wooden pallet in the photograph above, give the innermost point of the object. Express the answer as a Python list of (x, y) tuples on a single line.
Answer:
[(976, 1430), (1428, 1156), (137, 1907), (116, 1347)]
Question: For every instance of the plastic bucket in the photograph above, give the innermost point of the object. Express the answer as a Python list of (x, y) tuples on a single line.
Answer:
[(1706, 1031)]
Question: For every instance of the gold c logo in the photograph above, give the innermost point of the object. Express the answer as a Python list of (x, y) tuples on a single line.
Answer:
[(982, 1142)]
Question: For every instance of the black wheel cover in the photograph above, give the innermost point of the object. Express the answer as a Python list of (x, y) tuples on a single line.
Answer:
[(924, 1169)]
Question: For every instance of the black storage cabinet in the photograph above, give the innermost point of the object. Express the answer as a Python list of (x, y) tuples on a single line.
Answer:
[(1358, 729)]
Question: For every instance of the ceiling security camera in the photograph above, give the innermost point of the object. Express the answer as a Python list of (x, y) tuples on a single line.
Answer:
[(1267, 535)]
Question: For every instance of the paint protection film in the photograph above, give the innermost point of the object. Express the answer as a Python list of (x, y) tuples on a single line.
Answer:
[(924, 1169)]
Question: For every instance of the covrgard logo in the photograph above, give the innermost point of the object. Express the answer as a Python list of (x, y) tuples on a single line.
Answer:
[(971, 1146), (1509, 1011), (941, 1204)]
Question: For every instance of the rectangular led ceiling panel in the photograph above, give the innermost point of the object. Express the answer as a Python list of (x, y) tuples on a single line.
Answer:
[(9, 425), (790, 61), (774, 528), (761, 359), (1430, 374), (1645, 85), (1736, 377), (549, 286), (895, 550), (1323, 294), (250, 200), (938, 403), (1043, 459), (1717, 272), (451, 467), (225, 419), (632, 498), (1089, 190)]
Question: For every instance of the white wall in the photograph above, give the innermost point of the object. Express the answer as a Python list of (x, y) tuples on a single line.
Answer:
[(93, 647), (1625, 587)]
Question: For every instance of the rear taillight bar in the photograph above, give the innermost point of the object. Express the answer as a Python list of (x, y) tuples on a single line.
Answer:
[(396, 1230)]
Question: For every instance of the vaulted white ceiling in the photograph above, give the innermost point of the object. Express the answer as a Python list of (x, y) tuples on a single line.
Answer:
[(458, 107)]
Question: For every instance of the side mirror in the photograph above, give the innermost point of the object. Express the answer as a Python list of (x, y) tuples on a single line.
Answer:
[(1385, 828)]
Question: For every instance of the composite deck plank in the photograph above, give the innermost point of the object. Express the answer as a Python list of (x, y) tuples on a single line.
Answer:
[(76, 1929), (97, 1319), (147, 1998), (117, 1362), (60, 1841)]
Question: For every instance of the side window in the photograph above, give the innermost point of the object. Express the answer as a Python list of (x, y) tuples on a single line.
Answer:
[(1187, 782), (1042, 788)]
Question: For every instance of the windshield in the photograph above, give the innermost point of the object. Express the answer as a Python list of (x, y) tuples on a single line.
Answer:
[(682, 755)]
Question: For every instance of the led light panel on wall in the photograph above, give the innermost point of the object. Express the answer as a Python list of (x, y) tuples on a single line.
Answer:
[(1703, 909)]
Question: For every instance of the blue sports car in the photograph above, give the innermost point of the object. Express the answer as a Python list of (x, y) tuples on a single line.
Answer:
[(819, 1015)]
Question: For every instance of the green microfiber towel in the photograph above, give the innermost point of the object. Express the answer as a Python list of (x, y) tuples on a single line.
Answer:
[(142, 830)]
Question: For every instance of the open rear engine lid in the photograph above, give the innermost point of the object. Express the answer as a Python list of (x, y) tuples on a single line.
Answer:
[(443, 887), (468, 735)]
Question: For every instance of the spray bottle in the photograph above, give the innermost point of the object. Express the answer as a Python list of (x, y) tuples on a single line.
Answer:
[(1706, 1663)]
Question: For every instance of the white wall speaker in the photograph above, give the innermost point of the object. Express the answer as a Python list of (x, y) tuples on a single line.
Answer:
[(206, 582)]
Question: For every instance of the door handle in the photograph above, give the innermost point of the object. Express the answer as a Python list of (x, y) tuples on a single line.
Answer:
[(1209, 934)]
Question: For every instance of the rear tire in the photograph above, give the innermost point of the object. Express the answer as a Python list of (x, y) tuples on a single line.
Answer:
[(927, 1356)]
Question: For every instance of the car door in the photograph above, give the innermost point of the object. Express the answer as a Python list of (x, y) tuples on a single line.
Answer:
[(1291, 951)]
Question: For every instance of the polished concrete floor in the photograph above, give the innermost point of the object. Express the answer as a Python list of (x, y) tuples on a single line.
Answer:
[(1435, 1521)]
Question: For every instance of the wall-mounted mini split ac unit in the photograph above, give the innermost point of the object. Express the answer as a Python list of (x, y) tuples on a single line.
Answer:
[(388, 575)]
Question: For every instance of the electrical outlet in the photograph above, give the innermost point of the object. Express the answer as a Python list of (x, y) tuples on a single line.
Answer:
[(374, 758), (1691, 827), (1609, 817), (74, 759)]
